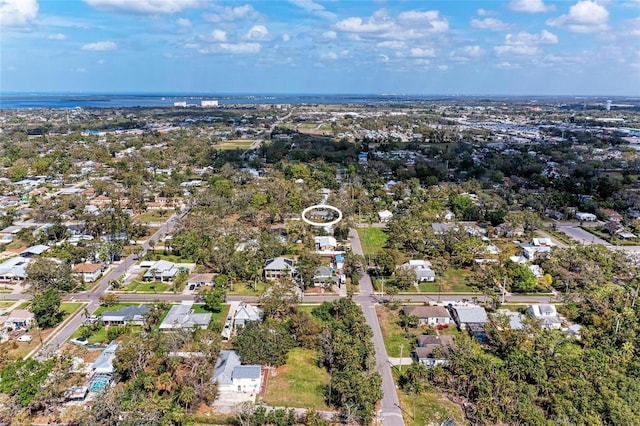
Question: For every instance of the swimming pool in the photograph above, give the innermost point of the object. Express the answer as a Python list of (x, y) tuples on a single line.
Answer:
[(98, 383)]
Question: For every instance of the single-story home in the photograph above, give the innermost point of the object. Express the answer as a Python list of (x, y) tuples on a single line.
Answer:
[(468, 314), (429, 315), (231, 376), (133, 315), (422, 269), (385, 215), (325, 243), (246, 313), (162, 270), (182, 316), (34, 250), (433, 350), (14, 270), (104, 363), (275, 268), (19, 318), (589, 217), (199, 280), (89, 272)]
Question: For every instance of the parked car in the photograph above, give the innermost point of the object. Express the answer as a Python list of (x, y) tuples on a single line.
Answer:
[(25, 338)]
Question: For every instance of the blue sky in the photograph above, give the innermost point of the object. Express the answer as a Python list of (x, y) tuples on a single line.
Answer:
[(534, 47)]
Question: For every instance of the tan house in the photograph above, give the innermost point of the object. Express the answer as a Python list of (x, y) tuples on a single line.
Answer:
[(89, 272)]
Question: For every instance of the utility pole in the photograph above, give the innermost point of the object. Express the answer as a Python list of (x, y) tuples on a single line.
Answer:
[(401, 348)]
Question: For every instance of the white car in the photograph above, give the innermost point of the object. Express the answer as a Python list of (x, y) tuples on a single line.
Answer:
[(25, 338)]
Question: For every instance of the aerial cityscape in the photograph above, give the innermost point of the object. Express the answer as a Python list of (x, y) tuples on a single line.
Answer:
[(319, 212)]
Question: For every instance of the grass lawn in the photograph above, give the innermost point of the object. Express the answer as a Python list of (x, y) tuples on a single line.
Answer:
[(393, 335), (234, 144), (68, 308), (221, 316), (246, 289), (99, 336), (153, 216), (5, 304), (24, 305), (454, 280), (158, 255), (598, 232), (558, 235), (372, 239), (115, 307), (429, 408), (298, 383), (150, 287)]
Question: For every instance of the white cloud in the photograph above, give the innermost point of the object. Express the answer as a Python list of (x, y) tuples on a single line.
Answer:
[(330, 35), (78, 70), (419, 52), (100, 46), (525, 44), (100, 61), (286, 37), (465, 53), (586, 16), (492, 24), (236, 13), (58, 37), (144, 6), (357, 25), (485, 12), (183, 22), (507, 66), (218, 35), (329, 55), (314, 8), (392, 44), (257, 32), (530, 6), (443, 67), (409, 25), (240, 48), (17, 13)]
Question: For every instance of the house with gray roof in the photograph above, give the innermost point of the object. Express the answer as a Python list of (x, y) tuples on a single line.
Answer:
[(546, 315), (231, 376), (183, 317), (14, 270), (429, 315), (246, 313), (104, 363), (162, 270), (433, 350), (277, 267), (471, 318), (34, 250), (422, 269), (133, 315)]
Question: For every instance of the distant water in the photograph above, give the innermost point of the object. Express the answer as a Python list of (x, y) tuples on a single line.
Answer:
[(26, 100)]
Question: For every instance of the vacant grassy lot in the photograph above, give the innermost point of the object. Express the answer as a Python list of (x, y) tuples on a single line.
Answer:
[(429, 409), (246, 289), (6, 304), (153, 216), (149, 287), (393, 334), (372, 239), (68, 308), (298, 383), (234, 144)]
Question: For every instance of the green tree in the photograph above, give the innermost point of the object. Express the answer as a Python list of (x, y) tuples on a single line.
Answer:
[(46, 274), (46, 308), (213, 298), (275, 342)]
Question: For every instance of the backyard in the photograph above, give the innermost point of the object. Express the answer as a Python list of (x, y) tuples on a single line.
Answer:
[(298, 383)]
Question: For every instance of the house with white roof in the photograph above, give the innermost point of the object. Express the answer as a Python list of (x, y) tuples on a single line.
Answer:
[(19, 319), (325, 243), (162, 270), (546, 314), (385, 215), (104, 363), (422, 269), (246, 313), (14, 270), (589, 217), (34, 251)]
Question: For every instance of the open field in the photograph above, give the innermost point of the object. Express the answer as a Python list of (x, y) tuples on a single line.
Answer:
[(243, 144), (429, 408), (298, 383), (454, 280), (393, 335), (372, 239), (246, 289), (153, 216)]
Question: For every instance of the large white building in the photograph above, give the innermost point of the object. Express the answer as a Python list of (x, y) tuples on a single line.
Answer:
[(208, 104)]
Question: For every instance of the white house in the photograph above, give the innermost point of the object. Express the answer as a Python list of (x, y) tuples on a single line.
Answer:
[(589, 217), (422, 269), (429, 315), (183, 317), (233, 377), (325, 243), (19, 318), (385, 215), (246, 313), (546, 314), (89, 272)]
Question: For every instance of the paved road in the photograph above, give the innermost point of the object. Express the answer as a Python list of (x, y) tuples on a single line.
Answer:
[(389, 413), (64, 331)]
